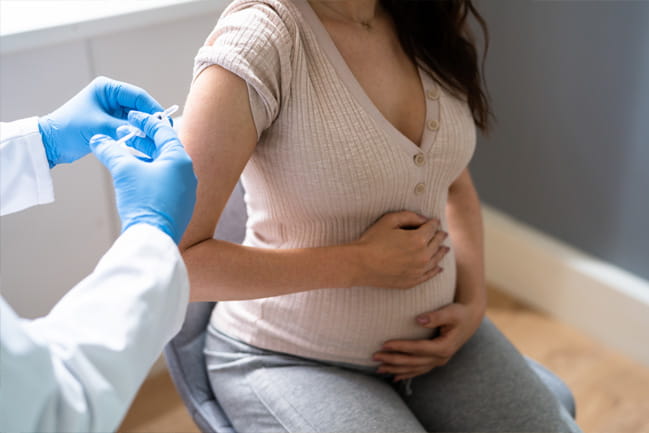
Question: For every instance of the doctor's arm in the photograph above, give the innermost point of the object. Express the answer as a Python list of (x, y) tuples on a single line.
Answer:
[(78, 368)]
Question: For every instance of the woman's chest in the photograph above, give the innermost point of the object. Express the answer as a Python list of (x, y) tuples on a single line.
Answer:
[(326, 154), (388, 77)]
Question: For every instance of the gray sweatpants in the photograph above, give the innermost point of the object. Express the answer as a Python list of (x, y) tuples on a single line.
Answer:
[(486, 387)]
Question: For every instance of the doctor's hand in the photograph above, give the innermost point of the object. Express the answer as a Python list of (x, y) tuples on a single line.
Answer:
[(161, 192), (406, 359), (400, 251), (99, 108)]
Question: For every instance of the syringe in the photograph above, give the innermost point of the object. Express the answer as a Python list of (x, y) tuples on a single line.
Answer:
[(166, 114)]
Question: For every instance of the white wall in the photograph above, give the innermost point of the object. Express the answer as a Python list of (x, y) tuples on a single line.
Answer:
[(45, 250)]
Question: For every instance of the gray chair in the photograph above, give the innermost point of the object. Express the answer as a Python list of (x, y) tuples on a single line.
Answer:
[(184, 353)]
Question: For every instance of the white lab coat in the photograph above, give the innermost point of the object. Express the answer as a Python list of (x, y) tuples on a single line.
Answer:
[(79, 367)]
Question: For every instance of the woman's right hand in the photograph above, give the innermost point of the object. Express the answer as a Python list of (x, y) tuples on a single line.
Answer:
[(401, 250)]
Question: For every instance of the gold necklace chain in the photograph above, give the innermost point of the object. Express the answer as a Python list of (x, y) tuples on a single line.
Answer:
[(366, 24)]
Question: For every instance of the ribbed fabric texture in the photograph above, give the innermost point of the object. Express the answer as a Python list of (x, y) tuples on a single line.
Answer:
[(326, 167)]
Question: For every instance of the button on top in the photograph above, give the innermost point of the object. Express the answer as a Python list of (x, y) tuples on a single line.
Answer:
[(433, 94), (420, 159), (420, 188), (433, 125)]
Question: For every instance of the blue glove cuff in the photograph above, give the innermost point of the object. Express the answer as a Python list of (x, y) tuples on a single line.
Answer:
[(46, 132), (155, 222)]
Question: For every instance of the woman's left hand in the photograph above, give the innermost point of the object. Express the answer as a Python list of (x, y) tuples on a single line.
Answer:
[(406, 359)]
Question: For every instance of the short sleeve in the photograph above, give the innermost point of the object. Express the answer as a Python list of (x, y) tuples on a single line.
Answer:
[(252, 39)]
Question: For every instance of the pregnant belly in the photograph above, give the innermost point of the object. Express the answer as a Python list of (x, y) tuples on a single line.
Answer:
[(343, 325)]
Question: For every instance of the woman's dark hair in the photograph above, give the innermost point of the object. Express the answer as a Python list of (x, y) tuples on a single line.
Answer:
[(436, 33)]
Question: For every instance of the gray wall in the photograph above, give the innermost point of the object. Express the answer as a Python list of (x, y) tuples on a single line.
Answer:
[(569, 154)]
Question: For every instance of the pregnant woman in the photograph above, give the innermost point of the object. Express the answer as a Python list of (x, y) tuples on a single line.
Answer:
[(356, 302)]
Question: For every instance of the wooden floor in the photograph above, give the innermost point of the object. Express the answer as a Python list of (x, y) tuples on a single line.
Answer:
[(612, 391)]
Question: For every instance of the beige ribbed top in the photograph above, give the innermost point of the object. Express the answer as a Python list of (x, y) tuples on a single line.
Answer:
[(326, 167)]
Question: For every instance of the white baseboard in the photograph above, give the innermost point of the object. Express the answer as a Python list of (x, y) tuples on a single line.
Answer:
[(604, 301)]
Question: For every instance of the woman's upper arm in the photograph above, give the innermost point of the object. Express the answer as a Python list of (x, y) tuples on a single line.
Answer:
[(219, 133), (462, 182)]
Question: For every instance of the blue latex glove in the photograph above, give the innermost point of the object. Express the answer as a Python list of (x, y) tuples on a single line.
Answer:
[(99, 108), (161, 192)]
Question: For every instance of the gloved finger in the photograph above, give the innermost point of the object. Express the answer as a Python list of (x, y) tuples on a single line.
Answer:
[(123, 97), (174, 152), (143, 144), (136, 98), (107, 151), (159, 130), (105, 124)]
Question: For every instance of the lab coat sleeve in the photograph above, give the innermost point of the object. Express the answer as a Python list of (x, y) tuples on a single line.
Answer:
[(78, 368), (25, 178)]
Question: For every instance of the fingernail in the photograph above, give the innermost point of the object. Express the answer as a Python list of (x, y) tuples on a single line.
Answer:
[(422, 320)]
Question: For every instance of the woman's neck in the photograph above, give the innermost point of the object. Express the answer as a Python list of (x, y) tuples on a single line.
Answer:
[(362, 12)]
